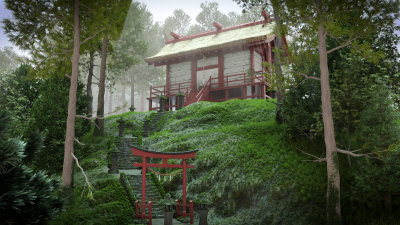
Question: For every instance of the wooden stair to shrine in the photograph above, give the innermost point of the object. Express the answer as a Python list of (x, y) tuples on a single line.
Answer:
[(152, 193)]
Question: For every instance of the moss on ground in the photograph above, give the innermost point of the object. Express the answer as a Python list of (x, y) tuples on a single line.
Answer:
[(245, 165)]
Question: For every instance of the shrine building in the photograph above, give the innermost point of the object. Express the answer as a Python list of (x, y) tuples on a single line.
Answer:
[(216, 65)]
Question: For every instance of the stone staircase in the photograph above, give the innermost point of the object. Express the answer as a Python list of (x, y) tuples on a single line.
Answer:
[(125, 157), (152, 193), (155, 119)]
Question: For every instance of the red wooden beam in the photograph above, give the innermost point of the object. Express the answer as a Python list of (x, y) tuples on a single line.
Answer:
[(163, 155), (207, 67), (162, 165)]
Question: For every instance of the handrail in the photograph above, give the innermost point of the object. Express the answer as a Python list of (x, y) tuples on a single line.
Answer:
[(202, 92)]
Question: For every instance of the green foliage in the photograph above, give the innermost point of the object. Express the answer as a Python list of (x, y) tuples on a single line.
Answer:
[(244, 164), (49, 113), (110, 204), (123, 179), (301, 109), (158, 184), (20, 91), (379, 125), (27, 197)]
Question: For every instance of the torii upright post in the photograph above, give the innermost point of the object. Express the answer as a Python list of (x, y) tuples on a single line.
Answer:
[(141, 209)]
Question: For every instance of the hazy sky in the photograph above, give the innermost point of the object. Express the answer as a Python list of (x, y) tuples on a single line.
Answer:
[(160, 9)]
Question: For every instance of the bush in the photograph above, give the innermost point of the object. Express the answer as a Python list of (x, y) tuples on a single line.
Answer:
[(26, 196)]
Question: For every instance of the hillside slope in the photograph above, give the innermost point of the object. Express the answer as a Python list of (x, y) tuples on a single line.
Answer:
[(245, 166)]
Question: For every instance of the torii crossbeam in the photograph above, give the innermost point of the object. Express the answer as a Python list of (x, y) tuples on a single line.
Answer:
[(165, 156)]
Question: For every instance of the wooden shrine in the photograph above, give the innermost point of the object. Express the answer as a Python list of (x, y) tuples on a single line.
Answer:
[(217, 65)]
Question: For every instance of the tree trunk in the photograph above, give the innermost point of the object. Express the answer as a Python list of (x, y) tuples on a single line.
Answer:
[(123, 100), (67, 172), (89, 85), (99, 130), (388, 202), (110, 98), (332, 161), (133, 90), (280, 91)]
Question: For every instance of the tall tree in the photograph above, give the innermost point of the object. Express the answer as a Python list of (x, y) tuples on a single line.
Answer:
[(113, 15), (45, 29), (345, 22)]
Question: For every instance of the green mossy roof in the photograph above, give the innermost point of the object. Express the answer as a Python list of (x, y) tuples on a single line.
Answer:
[(215, 41)]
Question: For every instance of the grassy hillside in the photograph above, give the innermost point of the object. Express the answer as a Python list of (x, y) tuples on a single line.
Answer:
[(245, 165)]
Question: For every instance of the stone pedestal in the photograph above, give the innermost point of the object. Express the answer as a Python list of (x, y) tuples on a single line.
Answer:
[(203, 216), (114, 162), (121, 127), (181, 101), (168, 218), (146, 127), (162, 104)]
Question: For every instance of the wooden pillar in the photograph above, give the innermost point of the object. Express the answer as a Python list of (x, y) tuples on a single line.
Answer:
[(194, 75), (269, 56), (251, 59), (143, 187), (168, 81), (184, 187), (220, 69)]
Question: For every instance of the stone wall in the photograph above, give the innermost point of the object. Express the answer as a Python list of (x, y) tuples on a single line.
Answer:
[(180, 72), (238, 62)]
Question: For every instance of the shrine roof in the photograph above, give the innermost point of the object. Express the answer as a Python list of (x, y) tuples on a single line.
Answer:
[(216, 39)]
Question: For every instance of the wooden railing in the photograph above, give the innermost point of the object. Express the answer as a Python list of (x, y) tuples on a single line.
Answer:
[(174, 89), (213, 84)]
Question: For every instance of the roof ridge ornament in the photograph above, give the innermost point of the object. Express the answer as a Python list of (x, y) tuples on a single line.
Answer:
[(266, 16), (217, 25), (175, 35)]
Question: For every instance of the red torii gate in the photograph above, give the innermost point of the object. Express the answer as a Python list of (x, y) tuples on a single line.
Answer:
[(165, 156)]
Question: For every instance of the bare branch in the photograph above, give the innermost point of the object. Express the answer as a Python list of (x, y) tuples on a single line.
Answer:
[(307, 76), (317, 159), (88, 118), (348, 42), (67, 75), (90, 187), (91, 37), (79, 143), (334, 37), (64, 52), (351, 153)]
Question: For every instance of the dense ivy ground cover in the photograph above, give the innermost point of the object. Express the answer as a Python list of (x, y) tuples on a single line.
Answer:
[(245, 166)]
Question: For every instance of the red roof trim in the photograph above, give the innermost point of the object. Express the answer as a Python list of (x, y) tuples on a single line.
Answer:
[(193, 36)]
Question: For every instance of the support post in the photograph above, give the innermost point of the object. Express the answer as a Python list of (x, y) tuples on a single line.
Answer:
[(184, 186), (144, 168), (137, 208), (150, 212), (220, 69), (191, 211)]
